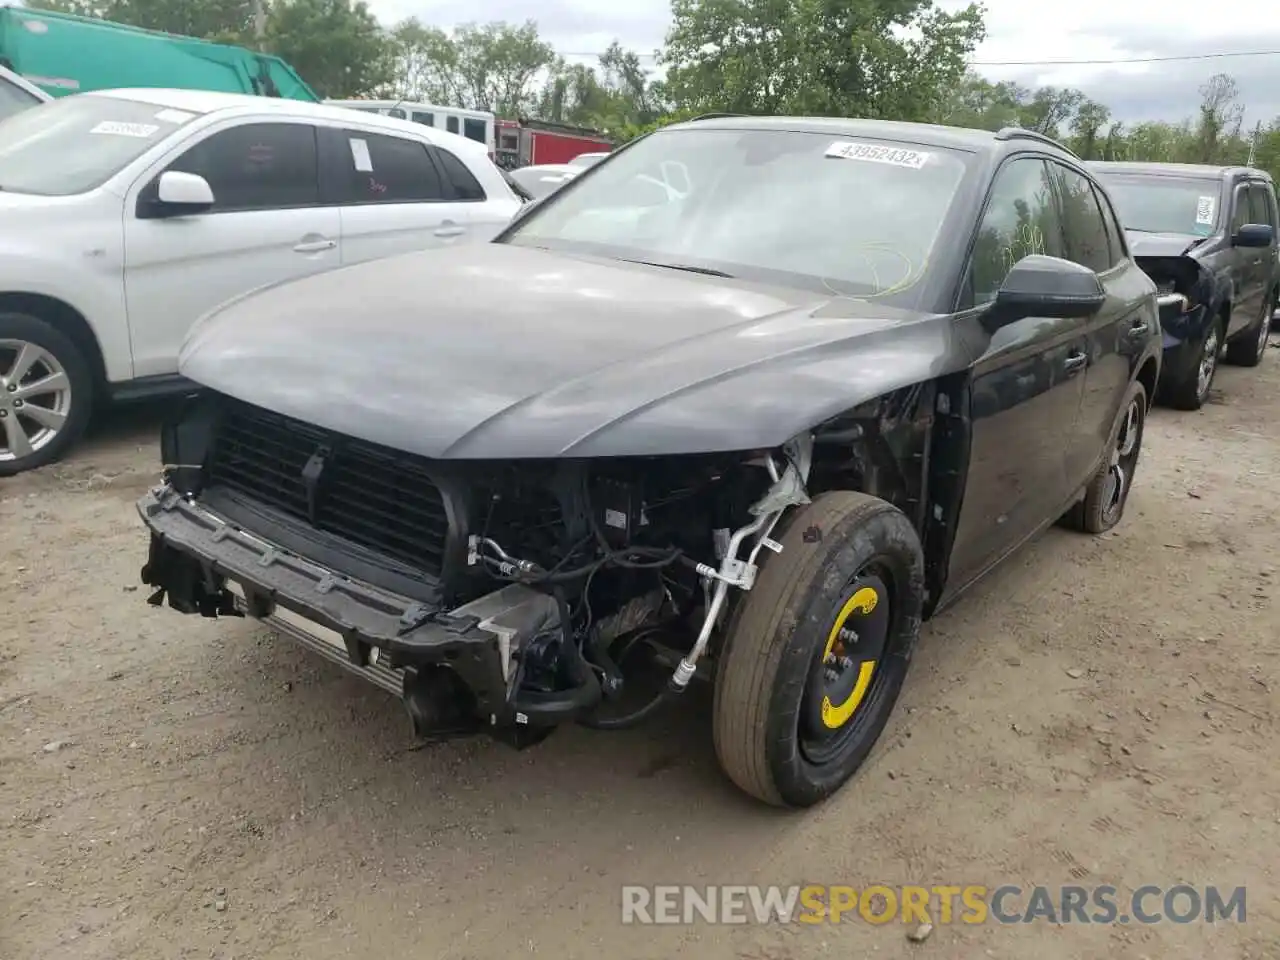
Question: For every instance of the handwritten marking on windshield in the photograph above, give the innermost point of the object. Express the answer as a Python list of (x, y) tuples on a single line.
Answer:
[(874, 153)]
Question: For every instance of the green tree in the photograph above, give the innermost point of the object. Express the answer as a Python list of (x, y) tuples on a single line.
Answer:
[(1086, 129), (424, 65), (496, 66), (209, 19), (872, 58), (337, 46)]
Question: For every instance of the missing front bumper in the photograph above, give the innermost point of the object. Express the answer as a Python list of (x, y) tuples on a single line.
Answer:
[(204, 565)]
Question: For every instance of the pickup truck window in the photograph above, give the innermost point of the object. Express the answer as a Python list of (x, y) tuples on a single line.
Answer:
[(1160, 204)]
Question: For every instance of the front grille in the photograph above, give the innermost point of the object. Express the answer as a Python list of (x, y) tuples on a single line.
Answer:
[(370, 495)]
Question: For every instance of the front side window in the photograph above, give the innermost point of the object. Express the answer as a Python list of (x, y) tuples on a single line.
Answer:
[(1021, 219), (75, 144), (474, 130), (1158, 204), (382, 169), (426, 119), (837, 215), (257, 166), (1083, 231), (1259, 208)]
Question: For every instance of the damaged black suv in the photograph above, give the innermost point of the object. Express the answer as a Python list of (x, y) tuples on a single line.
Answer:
[(1207, 236), (743, 403)]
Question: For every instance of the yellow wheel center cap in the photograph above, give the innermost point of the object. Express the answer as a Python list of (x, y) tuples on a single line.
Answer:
[(834, 716)]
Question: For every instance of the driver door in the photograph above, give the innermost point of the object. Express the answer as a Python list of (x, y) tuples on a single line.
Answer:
[(266, 226), (1028, 384)]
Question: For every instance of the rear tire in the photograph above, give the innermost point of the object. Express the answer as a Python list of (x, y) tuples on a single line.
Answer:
[(1248, 349), (46, 407), (1104, 501), (848, 560)]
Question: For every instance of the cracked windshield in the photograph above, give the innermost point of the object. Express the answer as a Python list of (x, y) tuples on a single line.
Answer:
[(653, 480)]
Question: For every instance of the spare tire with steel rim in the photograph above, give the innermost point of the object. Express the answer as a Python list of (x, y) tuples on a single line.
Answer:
[(818, 649), (46, 393)]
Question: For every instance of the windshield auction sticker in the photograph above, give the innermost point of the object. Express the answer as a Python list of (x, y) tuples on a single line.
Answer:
[(874, 153), (119, 129), (1204, 211)]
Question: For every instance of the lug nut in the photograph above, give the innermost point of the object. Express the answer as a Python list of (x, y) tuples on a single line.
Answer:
[(17, 403)]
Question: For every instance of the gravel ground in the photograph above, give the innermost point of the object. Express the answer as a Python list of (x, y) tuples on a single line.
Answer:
[(1099, 711)]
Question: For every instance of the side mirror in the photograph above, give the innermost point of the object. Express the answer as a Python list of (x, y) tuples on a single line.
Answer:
[(1254, 235), (1040, 286), (178, 194)]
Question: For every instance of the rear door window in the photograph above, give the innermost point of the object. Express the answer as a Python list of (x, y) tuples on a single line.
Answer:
[(365, 168), (1083, 229), (257, 166), (465, 185)]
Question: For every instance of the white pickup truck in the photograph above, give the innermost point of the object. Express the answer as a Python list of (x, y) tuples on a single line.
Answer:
[(127, 215)]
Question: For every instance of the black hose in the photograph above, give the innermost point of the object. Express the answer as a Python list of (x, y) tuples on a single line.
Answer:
[(639, 715)]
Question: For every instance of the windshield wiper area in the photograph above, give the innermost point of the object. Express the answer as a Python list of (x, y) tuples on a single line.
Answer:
[(687, 267)]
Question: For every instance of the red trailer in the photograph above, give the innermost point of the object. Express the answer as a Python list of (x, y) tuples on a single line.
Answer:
[(523, 143)]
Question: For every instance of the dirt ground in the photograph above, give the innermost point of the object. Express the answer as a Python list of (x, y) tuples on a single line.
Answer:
[(1100, 711)]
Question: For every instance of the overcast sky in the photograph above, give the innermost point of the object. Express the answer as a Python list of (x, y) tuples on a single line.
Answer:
[(1018, 30)]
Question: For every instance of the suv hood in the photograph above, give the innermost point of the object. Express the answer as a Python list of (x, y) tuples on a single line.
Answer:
[(1161, 244), (499, 351)]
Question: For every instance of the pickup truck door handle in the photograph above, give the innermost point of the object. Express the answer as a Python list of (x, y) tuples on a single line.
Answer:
[(449, 229), (314, 246), (1075, 363)]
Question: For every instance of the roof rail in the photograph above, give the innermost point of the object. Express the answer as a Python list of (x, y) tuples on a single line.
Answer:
[(713, 116), (1022, 133)]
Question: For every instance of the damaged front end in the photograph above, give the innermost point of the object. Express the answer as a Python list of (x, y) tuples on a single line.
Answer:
[(506, 596), (1184, 293)]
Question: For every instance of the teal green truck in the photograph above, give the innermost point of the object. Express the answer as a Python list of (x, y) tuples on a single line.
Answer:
[(64, 54)]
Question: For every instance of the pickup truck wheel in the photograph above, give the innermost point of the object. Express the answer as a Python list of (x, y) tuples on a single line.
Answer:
[(818, 650), (1191, 389), (1248, 349), (1104, 500), (46, 393)]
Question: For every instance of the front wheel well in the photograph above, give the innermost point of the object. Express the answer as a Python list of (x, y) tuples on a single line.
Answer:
[(66, 318)]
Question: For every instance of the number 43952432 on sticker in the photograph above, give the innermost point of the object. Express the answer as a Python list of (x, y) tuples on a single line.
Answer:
[(875, 153)]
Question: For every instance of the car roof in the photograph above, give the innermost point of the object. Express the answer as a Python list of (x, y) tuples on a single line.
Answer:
[(213, 102), (1154, 169), (926, 134)]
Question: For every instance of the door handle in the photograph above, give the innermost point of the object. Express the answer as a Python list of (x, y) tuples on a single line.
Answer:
[(449, 229), (1075, 362), (314, 246), (1137, 329)]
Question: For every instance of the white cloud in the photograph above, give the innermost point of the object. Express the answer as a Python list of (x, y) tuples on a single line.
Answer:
[(1017, 30)]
